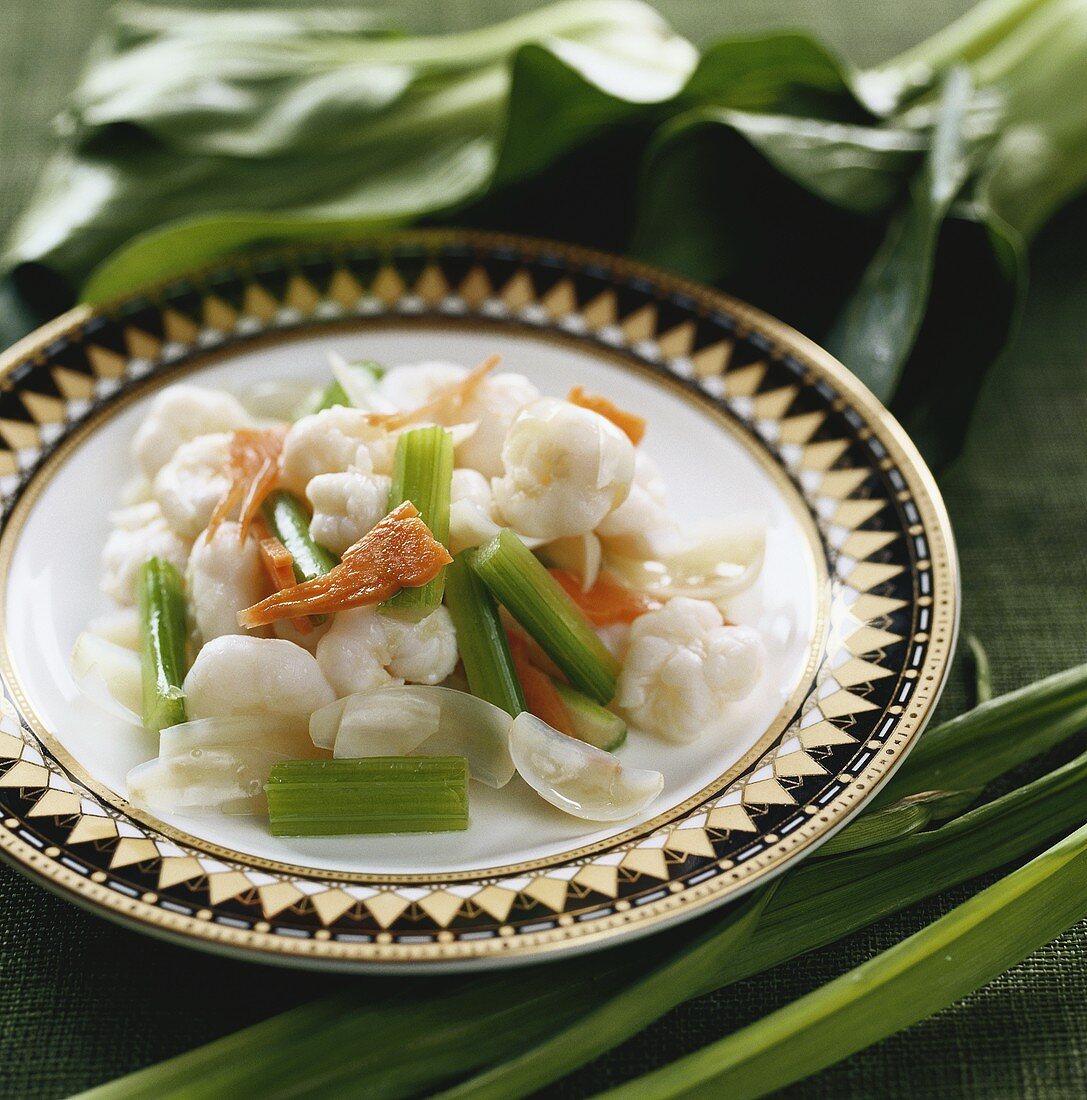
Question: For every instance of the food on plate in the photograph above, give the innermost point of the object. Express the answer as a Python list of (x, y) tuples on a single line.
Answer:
[(339, 608)]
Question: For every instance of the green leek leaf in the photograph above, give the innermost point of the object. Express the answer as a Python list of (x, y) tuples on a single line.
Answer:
[(879, 324), (515, 1039), (961, 951), (324, 126), (974, 748)]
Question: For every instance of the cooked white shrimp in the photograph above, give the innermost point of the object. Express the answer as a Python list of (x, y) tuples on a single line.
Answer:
[(121, 627), (471, 522), (285, 628), (683, 664), (565, 468), (330, 442), (189, 486), (235, 674), (616, 636), (493, 407), (136, 490), (641, 526), (366, 649), (423, 652), (180, 413), (408, 387), (225, 576), (139, 532), (346, 506)]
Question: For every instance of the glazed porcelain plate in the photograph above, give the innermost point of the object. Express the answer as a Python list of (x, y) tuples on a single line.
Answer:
[(856, 602)]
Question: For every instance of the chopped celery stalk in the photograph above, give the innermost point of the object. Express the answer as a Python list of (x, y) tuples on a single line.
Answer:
[(537, 601), (163, 630), (593, 724), (289, 522), (381, 794), (423, 473), (481, 639)]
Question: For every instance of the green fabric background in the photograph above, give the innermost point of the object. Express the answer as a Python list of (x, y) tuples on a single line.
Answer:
[(82, 1001)]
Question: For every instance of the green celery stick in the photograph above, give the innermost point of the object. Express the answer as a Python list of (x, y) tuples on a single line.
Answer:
[(163, 630), (537, 601), (289, 522), (382, 794), (423, 473), (481, 639), (593, 724)]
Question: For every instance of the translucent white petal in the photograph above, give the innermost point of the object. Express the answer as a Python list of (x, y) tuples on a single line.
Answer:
[(719, 559), (280, 734), (579, 779), (227, 780), (419, 720), (279, 398), (109, 675), (359, 384), (580, 554)]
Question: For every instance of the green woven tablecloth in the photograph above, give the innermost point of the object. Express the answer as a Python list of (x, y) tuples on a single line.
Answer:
[(82, 1001)]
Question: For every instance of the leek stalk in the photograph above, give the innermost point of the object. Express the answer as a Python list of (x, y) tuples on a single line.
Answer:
[(335, 395), (592, 723), (332, 396)]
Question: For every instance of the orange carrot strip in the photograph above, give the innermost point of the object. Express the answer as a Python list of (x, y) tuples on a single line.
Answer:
[(631, 423), (607, 602), (254, 469), (541, 697), (278, 563), (400, 552), (449, 398)]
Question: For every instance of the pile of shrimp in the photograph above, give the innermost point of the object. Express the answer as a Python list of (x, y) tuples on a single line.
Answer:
[(570, 476)]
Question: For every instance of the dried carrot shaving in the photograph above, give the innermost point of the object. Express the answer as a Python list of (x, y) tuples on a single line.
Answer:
[(448, 400), (253, 469), (631, 423), (278, 563), (541, 697), (607, 602), (399, 552)]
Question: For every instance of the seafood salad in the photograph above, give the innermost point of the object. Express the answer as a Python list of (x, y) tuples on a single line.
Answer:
[(339, 608)]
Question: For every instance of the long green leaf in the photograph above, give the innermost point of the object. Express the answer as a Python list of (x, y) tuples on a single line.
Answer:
[(815, 904), (822, 901), (974, 748), (961, 951), (879, 324), (404, 128), (903, 818), (649, 996), (324, 127)]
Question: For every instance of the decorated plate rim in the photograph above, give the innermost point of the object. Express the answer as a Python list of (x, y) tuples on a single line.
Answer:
[(519, 307)]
